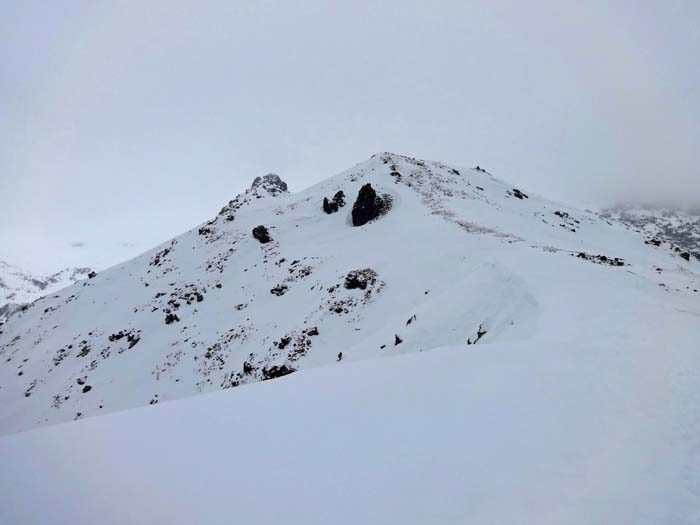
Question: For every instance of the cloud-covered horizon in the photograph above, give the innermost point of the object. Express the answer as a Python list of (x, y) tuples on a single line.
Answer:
[(136, 121)]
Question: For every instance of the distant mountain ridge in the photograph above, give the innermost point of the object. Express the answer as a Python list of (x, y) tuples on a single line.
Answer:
[(19, 287), (678, 227)]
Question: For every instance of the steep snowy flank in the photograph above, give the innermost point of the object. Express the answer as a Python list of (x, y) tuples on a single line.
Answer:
[(428, 256), (19, 287)]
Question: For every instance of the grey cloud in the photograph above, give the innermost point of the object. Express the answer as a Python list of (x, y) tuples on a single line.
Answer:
[(137, 121)]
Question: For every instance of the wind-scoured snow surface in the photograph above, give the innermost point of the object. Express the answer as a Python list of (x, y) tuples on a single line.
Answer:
[(553, 375)]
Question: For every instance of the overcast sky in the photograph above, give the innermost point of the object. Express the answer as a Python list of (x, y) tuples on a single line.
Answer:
[(131, 121)]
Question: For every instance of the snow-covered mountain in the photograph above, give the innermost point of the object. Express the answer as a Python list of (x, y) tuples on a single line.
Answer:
[(19, 287), (680, 229), (552, 376), (448, 261)]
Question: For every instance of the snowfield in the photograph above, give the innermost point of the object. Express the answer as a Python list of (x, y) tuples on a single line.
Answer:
[(505, 359)]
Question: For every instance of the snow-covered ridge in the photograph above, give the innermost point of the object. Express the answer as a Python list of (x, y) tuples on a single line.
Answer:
[(275, 283)]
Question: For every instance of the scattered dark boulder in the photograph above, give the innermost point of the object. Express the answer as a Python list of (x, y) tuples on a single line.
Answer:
[(205, 230), (86, 389), (685, 255), (279, 290), (601, 259), (367, 207), (519, 194), (284, 341), (276, 371), (562, 214), (312, 331), (92, 274), (261, 234), (411, 319), (247, 368), (397, 340), (340, 356), (171, 318)]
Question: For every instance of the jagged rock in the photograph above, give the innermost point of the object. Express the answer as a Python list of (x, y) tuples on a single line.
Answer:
[(86, 389), (276, 371), (333, 205), (261, 234), (339, 198), (327, 207), (519, 194), (685, 255), (92, 274), (171, 318), (397, 340), (367, 207)]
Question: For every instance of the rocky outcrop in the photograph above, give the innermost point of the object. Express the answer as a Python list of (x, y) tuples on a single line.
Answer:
[(271, 184), (360, 279), (368, 206), (276, 371), (261, 234)]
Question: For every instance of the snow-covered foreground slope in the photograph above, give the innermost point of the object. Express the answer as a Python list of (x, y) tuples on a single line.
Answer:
[(594, 420), (458, 254)]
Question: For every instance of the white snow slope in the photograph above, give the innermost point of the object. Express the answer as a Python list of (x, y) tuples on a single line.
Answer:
[(580, 404)]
